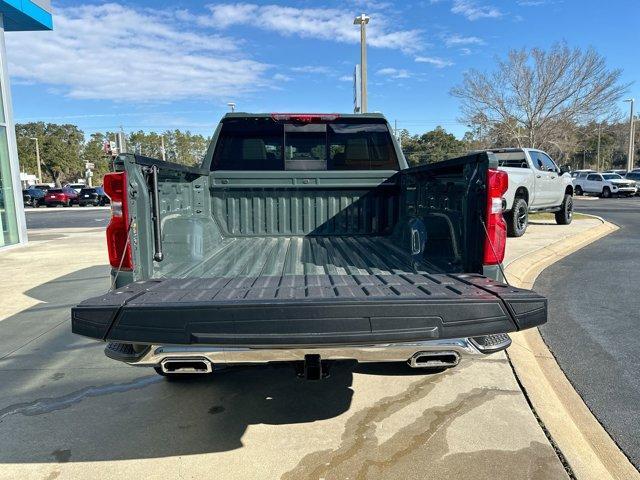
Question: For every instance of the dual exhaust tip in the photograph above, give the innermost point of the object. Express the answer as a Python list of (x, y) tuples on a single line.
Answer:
[(187, 366), (434, 359), (425, 359)]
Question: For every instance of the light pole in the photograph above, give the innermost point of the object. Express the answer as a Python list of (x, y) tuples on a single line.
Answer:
[(38, 158), (362, 20), (631, 132), (232, 106)]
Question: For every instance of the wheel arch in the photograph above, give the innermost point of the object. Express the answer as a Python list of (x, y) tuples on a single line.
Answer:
[(522, 192)]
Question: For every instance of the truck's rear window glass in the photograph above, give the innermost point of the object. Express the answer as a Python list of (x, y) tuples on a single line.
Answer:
[(266, 144), (512, 159)]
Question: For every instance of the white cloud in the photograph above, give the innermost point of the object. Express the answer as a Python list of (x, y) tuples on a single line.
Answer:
[(346, 78), (472, 11), (457, 40), (314, 69), (320, 23), (280, 77), (393, 72), (465, 51), (435, 61), (116, 52)]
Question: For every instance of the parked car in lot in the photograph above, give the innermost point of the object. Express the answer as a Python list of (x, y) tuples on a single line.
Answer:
[(92, 196), (634, 175), (575, 173), (536, 184), (76, 186), (33, 197), (65, 196), (618, 171), (305, 238), (604, 184)]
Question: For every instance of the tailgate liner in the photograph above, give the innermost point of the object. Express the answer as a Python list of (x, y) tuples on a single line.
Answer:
[(308, 310)]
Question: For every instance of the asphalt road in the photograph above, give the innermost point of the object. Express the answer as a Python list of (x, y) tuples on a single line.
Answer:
[(594, 327), (74, 217)]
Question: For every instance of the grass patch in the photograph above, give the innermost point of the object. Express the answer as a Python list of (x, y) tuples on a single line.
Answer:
[(551, 216)]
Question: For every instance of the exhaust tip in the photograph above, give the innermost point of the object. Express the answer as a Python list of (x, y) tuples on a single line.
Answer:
[(199, 365), (442, 359)]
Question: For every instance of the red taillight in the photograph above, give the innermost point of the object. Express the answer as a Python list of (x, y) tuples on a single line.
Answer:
[(115, 186), (305, 117), (496, 241)]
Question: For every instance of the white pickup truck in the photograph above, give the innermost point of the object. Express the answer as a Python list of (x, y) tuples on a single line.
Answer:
[(536, 184), (604, 184)]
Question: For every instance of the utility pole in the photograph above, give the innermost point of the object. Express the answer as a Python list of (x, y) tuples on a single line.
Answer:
[(598, 153), (38, 159), (631, 132), (164, 156), (362, 20)]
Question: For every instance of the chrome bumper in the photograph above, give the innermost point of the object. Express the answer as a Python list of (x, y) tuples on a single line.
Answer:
[(399, 352)]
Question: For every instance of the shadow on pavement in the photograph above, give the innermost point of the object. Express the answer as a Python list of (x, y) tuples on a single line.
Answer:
[(62, 400)]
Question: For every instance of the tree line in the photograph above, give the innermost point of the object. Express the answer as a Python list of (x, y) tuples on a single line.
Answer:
[(64, 149), (582, 149)]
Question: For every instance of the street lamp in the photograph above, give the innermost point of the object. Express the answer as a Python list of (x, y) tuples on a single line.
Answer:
[(38, 158), (631, 134), (362, 20), (232, 106)]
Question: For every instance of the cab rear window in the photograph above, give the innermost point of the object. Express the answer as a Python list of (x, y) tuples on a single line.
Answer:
[(268, 144)]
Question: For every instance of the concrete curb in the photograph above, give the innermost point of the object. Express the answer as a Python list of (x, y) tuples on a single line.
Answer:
[(587, 447)]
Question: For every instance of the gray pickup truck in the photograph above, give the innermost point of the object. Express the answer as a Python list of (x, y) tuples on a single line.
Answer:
[(305, 238)]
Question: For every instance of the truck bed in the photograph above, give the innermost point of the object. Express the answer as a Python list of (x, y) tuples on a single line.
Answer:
[(301, 255)]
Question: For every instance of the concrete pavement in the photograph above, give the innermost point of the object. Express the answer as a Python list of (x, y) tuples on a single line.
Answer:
[(68, 412)]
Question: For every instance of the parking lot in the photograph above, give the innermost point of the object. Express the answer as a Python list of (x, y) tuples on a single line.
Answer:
[(69, 412)]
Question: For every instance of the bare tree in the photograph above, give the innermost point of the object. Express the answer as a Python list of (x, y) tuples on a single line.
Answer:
[(533, 96)]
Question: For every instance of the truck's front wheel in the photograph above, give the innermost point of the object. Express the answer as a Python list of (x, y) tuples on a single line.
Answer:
[(565, 214), (518, 218)]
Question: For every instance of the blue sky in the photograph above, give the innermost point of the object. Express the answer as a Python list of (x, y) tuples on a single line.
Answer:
[(156, 65)]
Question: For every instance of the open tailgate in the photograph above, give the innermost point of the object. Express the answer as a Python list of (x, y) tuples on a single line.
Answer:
[(308, 310)]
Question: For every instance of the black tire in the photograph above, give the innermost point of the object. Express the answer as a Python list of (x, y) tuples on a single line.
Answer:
[(518, 218), (579, 191), (606, 192), (565, 214)]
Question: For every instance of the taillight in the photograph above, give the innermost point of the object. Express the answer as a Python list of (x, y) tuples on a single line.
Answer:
[(496, 241), (115, 186), (305, 117)]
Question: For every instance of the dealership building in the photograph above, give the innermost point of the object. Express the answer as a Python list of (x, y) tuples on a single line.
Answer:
[(15, 16)]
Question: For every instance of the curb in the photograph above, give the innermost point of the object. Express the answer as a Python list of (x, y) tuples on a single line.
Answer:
[(587, 447)]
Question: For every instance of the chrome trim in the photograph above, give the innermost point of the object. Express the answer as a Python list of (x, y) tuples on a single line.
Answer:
[(206, 364), (394, 352), (433, 359)]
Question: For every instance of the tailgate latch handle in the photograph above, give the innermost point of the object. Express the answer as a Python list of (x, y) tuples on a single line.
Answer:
[(155, 216)]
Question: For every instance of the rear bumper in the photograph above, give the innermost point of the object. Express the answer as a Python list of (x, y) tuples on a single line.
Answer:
[(154, 355)]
